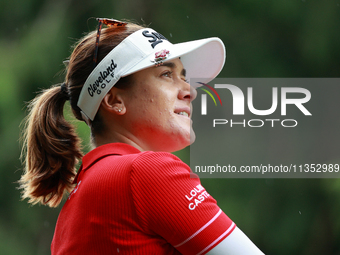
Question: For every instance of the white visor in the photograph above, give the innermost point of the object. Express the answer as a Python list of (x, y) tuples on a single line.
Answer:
[(144, 48)]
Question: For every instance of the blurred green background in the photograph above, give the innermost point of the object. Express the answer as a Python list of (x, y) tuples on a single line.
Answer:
[(268, 38)]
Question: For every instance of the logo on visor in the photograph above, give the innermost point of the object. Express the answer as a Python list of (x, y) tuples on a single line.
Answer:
[(160, 56), (156, 37), (103, 79)]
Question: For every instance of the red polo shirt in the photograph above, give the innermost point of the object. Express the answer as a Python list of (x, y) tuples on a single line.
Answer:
[(132, 202)]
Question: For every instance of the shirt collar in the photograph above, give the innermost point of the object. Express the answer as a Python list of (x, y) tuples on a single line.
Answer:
[(102, 151)]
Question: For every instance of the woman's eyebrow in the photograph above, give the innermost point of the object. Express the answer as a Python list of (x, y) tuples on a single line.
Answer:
[(172, 65)]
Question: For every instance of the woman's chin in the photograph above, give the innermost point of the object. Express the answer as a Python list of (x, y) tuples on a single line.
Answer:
[(192, 136)]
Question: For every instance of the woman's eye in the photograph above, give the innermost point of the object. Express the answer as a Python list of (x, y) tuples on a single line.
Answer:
[(167, 74)]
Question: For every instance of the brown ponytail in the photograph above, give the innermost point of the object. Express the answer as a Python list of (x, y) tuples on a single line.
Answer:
[(52, 150), (51, 147)]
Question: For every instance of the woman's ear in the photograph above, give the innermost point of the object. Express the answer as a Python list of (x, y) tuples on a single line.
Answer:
[(113, 102)]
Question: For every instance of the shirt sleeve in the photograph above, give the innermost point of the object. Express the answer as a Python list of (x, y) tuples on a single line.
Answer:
[(171, 202), (237, 243)]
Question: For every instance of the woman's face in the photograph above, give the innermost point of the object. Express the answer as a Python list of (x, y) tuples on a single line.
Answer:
[(158, 108)]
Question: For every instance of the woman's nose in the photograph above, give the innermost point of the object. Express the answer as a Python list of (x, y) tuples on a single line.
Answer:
[(187, 92)]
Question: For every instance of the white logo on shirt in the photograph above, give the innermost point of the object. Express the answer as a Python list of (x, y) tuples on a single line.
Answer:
[(197, 196)]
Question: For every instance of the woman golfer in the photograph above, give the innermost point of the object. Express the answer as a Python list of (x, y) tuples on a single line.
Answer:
[(130, 195)]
